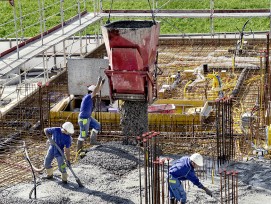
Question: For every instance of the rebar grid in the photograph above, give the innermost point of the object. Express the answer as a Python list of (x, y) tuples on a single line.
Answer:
[(27, 119), (25, 122)]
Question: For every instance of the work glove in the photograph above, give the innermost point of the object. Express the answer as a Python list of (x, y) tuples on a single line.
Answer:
[(48, 143), (68, 163), (207, 191)]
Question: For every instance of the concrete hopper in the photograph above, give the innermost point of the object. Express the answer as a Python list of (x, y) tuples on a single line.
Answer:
[(132, 50)]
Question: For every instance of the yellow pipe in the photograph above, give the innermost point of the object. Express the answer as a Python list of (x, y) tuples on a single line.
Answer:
[(269, 135), (184, 91), (233, 64), (215, 83), (180, 102)]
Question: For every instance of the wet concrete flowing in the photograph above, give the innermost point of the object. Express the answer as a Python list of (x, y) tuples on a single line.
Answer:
[(134, 118)]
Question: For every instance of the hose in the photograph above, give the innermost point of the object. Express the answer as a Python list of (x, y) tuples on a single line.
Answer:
[(33, 173)]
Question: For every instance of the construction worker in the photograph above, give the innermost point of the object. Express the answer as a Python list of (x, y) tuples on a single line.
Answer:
[(178, 77), (85, 120), (182, 170), (60, 136)]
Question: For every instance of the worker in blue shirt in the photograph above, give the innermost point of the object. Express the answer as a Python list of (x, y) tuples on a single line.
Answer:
[(85, 121), (62, 137), (182, 170), (178, 77)]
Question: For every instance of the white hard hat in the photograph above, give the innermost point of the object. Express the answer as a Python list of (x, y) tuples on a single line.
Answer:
[(91, 88), (68, 126), (197, 159)]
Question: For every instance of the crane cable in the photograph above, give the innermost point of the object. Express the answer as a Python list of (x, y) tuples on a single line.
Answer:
[(152, 13), (108, 20)]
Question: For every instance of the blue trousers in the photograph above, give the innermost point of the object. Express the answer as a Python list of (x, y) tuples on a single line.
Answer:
[(60, 161), (85, 124), (176, 189)]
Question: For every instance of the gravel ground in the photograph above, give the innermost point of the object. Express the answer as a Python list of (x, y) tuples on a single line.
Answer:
[(110, 175), (114, 157)]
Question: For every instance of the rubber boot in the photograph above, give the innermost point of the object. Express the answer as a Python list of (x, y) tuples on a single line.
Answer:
[(93, 137), (79, 146), (49, 173), (80, 150), (64, 177)]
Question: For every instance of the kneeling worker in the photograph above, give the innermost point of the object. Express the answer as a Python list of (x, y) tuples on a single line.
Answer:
[(182, 170)]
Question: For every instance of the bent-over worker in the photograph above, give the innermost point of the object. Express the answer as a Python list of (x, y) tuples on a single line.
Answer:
[(62, 137), (182, 170)]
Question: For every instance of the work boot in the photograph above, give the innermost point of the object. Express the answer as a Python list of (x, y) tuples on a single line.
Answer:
[(82, 154), (49, 173), (93, 137), (64, 177), (79, 146)]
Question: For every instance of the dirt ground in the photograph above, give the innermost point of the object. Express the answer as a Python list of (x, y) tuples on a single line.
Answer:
[(110, 174)]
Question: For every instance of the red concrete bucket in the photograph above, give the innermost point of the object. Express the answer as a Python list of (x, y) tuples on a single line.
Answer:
[(132, 49)]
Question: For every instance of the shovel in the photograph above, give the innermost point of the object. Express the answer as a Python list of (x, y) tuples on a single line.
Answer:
[(76, 178)]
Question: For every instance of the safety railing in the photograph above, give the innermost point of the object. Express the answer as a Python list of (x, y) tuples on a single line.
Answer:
[(24, 22), (21, 22), (53, 60), (42, 68)]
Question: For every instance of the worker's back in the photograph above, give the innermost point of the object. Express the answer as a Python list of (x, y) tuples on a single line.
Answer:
[(181, 168), (86, 107)]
